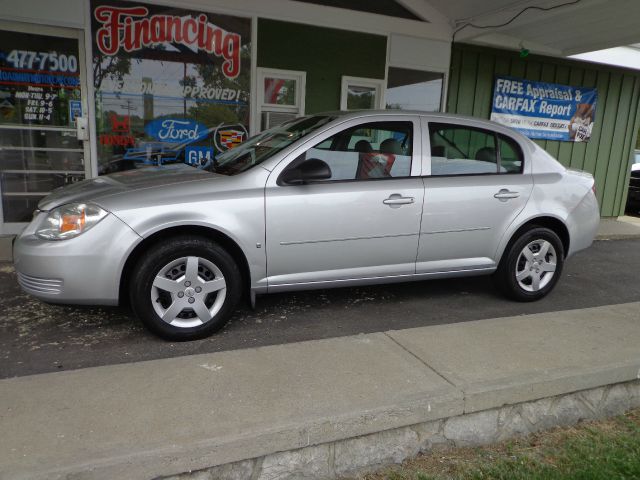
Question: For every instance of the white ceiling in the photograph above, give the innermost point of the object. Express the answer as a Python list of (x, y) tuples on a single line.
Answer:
[(580, 27)]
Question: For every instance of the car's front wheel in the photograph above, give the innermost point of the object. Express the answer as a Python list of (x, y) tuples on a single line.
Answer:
[(185, 288), (531, 265)]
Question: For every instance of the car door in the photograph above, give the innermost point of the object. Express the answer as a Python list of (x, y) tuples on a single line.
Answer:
[(363, 222), (477, 182)]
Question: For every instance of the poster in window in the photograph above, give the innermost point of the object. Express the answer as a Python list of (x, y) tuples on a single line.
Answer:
[(172, 85)]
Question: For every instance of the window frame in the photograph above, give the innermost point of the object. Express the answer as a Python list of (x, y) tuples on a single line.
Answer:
[(376, 83), (298, 109), (427, 128), (417, 159)]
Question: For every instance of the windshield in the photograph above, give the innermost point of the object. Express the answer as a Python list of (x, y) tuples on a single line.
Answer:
[(265, 145)]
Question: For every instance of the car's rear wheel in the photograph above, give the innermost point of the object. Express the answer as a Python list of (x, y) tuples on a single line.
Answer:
[(185, 288), (531, 265)]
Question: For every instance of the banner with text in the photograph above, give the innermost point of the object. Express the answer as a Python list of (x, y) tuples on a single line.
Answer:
[(547, 111)]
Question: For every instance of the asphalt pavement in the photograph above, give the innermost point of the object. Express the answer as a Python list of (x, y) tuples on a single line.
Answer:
[(39, 338)]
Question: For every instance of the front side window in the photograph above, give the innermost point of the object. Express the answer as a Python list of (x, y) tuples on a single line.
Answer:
[(370, 151), (461, 150)]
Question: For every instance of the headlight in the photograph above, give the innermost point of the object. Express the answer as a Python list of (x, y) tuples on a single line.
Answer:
[(69, 221)]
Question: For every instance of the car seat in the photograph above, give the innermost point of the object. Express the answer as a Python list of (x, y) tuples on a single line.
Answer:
[(378, 164)]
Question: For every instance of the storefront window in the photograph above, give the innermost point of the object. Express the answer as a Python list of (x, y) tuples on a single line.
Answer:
[(172, 85), (39, 101), (413, 90)]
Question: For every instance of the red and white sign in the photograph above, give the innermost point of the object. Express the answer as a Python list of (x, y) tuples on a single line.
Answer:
[(131, 29)]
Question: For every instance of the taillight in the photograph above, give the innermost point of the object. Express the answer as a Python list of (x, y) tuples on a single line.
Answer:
[(593, 188)]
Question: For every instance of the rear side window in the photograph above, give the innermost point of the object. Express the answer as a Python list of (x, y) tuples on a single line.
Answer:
[(462, 150)]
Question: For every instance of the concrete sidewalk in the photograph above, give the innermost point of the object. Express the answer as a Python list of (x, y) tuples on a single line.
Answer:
[(164, 417), (619, 228)]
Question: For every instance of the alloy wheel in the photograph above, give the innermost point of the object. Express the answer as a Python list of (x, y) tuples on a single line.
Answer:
[(536, 265), (188, 292)]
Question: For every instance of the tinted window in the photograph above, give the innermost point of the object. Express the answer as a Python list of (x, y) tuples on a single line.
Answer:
[(511, 158), (369, 151), (461, 150)]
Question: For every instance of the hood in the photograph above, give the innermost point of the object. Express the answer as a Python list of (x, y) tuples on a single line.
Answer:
[(92, 190)]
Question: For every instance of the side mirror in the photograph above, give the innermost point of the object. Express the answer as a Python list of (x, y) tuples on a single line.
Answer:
[(308, 171)]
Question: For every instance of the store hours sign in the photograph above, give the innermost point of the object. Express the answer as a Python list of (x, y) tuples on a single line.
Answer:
[(548, 111)]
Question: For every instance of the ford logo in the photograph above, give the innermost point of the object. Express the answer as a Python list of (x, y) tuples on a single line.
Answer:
[(175, 130)]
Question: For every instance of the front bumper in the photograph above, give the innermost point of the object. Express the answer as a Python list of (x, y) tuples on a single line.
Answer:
[(81, 270)]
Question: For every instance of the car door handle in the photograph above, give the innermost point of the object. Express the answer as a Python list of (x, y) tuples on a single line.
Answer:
[(505, 194), (396, 200)]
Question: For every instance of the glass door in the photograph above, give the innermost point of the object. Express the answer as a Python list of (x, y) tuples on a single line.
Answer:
[(41, 100)]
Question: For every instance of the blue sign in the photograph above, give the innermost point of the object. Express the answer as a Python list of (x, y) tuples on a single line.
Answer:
[(175, 130), (75, 110), (542, 110), (198, 155)]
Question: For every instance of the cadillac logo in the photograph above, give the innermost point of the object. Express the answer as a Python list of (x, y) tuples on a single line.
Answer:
[(227, 137)]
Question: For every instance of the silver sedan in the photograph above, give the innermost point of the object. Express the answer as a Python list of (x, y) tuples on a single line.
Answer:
[(328, 200)]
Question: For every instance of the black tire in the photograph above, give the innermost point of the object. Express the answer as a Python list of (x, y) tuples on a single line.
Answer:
[(212, 258), (513, 262)]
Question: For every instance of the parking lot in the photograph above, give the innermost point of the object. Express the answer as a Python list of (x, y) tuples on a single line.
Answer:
[(38, 338)]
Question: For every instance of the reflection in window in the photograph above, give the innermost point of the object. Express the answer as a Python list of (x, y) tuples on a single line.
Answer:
[(413, 90), (374, 150), (459, 150), (40, 98), (279, 91), (154, 98), (510, 155), (361, 98)]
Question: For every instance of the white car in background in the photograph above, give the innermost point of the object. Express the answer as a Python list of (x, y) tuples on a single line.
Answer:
[(633, 199)]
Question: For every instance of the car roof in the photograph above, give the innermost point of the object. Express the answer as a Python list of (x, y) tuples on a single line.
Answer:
[(341, 115)]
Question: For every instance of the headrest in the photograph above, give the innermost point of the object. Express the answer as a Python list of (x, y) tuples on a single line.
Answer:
[(487, 154), (391, 145), (363, 146)]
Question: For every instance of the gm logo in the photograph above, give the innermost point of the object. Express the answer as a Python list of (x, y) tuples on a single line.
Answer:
[(198, 155)]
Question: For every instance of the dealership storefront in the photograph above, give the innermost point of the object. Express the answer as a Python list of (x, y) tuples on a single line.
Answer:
[(95, 87), (90, 87)]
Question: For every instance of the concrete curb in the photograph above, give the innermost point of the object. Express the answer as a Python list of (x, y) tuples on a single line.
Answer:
[(367, 453), (6, 248)]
